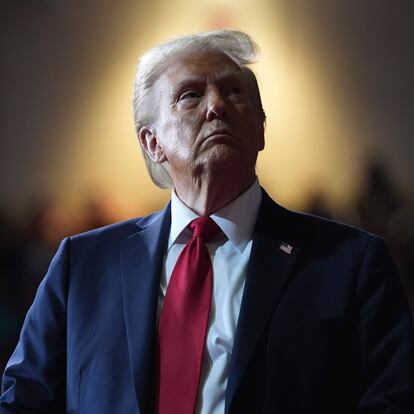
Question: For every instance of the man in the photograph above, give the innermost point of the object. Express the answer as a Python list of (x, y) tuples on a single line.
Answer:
[(224, 302)]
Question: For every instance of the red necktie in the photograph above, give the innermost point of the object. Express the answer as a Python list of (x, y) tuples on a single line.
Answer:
[(183, 322)]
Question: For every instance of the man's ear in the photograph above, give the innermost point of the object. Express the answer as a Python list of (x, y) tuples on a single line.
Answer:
[(151, 146), (261, 135)]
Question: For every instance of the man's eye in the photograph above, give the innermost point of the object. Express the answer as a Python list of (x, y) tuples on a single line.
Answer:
[(189, 95)]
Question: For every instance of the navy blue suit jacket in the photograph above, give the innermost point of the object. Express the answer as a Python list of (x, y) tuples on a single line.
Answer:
[(324, 328)]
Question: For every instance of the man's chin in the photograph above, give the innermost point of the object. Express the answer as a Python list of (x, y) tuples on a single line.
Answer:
[(221, 153)]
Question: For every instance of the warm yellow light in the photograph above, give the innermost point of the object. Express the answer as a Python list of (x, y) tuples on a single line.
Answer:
[(307, 131)]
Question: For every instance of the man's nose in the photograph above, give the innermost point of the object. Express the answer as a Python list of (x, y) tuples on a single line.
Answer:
[(216, 106)]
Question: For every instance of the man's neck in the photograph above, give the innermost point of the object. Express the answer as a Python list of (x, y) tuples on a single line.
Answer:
[(206, 195)]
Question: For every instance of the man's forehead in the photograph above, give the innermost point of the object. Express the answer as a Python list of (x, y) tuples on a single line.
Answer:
[(201, 65)]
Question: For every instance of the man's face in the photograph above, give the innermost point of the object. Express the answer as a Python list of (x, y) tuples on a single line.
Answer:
[(207, 120)]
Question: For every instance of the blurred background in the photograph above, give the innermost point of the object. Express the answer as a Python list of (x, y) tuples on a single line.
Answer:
[(337, 81)]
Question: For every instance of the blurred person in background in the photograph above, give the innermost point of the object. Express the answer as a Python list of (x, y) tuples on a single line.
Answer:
[(223, 302)]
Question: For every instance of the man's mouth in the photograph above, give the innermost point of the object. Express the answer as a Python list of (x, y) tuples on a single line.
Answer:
[(219, 132)]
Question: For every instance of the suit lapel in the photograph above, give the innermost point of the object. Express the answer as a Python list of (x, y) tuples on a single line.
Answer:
[(271, 262), (141, 264)]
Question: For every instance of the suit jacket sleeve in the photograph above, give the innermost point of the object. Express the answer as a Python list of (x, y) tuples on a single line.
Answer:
[(34, 378), (385, 336)]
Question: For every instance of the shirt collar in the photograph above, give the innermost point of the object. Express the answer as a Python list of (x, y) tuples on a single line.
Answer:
[(236, 219)]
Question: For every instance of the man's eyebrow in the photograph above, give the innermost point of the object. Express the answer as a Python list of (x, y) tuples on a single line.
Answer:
[(188, 81)]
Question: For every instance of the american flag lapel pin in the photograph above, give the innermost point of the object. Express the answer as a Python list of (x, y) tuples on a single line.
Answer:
[(287, 248)]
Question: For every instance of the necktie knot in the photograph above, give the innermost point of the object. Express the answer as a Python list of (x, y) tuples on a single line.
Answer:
[(204, 228)]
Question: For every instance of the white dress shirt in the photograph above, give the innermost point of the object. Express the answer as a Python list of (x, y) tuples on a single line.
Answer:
[(229, 253)]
